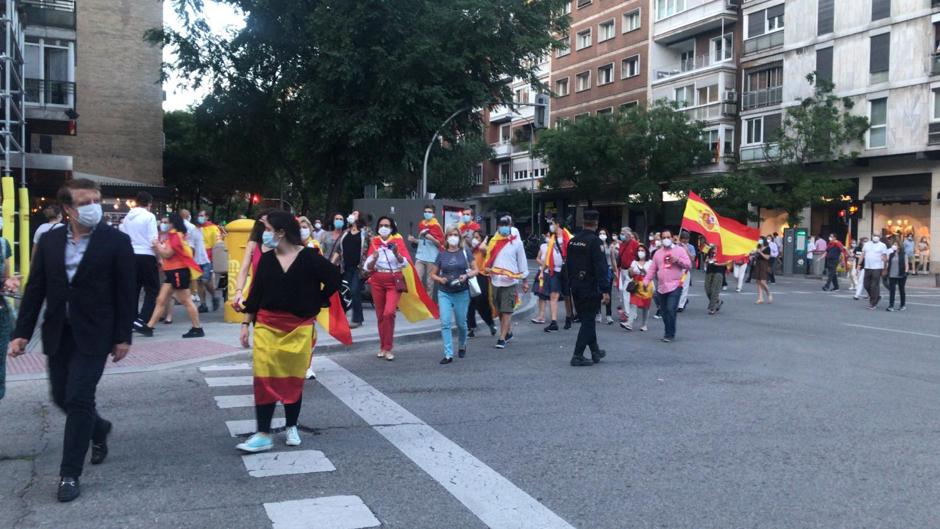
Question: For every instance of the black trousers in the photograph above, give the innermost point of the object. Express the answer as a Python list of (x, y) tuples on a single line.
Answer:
[(587, 334), (832, 280), (148, 278), (480, 305), (873, 285), (264, 413), (73, 379), (896, 283), (773, 264)]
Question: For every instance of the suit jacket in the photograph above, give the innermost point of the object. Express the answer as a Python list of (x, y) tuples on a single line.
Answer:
[(100, 303)]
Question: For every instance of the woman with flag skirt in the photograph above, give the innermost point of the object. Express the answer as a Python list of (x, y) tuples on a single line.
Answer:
[(289, 286), (553, 276), (179, 269), (480, 304), (395, 284)]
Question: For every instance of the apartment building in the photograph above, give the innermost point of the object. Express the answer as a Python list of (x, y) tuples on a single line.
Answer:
[(883, 54), (93, 97)]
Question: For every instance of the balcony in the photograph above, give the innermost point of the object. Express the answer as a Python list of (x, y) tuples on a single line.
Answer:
[(691, 64), (933, 134), (712, 111), (500, 113), (43, 93), (763, 42), (935, 63), (498, 186), (700, 16), (55, 13), (755, 153), (762, 98), (502, 150)]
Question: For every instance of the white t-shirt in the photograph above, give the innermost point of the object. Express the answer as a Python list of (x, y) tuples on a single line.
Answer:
[(43, 228), (197, 243), (874, 253)]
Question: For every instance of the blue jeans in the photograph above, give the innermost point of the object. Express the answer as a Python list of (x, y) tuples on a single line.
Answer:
[(351, 275), (453, 306), (669, 307)]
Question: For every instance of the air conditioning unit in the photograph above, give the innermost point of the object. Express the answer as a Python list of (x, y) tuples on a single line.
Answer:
[(730, 96)]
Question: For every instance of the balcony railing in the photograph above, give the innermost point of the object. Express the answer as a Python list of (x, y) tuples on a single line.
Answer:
[(762, 98), (755, 153), (56, 13), (764, 42), (44, 93), (933, 134), (935, 63), (711, 111), (690, 64)]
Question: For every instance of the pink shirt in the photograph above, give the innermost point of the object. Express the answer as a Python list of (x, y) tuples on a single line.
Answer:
[(668, 275)]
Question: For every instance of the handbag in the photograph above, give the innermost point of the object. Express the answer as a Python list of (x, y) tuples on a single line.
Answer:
[(631, 287), (472, 282), (400, 285)]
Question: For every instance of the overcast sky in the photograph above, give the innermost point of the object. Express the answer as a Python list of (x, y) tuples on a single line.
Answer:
[(220, 18)]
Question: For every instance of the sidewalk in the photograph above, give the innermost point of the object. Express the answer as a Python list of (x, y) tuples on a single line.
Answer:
[(167, 349)]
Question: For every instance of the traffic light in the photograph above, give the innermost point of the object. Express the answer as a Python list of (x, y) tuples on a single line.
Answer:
[(255, 199), (853, 211), (844, 216), (541, 111)]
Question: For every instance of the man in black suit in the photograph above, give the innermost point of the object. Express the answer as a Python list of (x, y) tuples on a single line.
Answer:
[(85, 274)]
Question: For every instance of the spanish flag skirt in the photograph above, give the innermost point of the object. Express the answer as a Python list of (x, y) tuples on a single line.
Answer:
[(283, 346)]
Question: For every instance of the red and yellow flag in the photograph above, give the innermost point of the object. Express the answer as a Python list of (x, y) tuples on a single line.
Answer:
[(562, 239), (731, 238), (335, 321), (283, 344), (184, 254), (416, 304)]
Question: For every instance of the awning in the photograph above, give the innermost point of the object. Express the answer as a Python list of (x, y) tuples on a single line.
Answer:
[(900, 188), (118, 186)]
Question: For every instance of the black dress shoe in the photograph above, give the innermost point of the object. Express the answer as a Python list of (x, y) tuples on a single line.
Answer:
[(567, 323), (446, 360), (551, 327), (580, 361), (145, 330), (68, 489), (461, 353), (195, 332), (470, 334), (596, 357), (99, 447)]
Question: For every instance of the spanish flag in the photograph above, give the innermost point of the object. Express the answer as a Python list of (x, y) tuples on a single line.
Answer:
[(561, 239), (434, 229), (283, 344), (416, 305), (731, 238)]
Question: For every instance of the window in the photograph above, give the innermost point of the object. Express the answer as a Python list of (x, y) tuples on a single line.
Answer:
[(729, 141), (583, 3), (561, 122), (878, 117), (762, 129), (754, 132), (630, 67), (774, 18), (765, 21), (567, 9), (631, 21), (520, 175), (605, 74), (721, 48), (880, 9), (824, 64), (687, 60), (605, 111), (561, 87), (522, 95), (564, 46), (50, 72), (685, 96), (763, 87), (824, 17), (880, 57), (667, 8), (707, 94), (583, 39), (504, 173), (628, 105), (505, 133), (606, 30), (583, 81), (579, 117), (936, 104), (477, 174)]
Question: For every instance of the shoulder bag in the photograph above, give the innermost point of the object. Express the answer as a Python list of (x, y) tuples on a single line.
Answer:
[(472, 282)]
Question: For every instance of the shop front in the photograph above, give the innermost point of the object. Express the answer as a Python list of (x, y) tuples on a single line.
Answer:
[(900, 205)]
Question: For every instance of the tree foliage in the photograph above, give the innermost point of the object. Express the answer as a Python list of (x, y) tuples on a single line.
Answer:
[(344, 94)]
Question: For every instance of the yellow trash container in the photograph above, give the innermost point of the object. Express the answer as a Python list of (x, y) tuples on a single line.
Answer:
[(235, 243)]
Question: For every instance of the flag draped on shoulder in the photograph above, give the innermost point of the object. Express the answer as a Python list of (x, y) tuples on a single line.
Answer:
[(415, 304), (184, 253), (497, 243), (434, 229), (561, 239), (732, 239)]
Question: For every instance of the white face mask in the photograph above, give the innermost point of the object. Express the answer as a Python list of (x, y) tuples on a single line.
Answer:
[(551, 228), (304, 234), (875, 239), (658, 243), (453, 240), (475, 243), (385, 231), (89, 215), (641, 255), (351, 219), (667, 243), (318, 226), (602, 236)]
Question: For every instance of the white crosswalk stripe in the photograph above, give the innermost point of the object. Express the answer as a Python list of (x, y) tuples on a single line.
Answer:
[(331, 512), (224, 382), (236, 428), (285, 463), (225, 367), (235, 401)]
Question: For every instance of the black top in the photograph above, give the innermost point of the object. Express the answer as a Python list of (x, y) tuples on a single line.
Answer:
[(715, 268), (352, 250), (99, 303), (302, 290), (587, 265), (452, 265)]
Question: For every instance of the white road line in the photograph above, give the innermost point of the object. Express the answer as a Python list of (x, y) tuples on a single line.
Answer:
[(225, 367), (331, 512), (490, 496), (234, 401), (923, 304), (284, 463), (869, 327), (236, 428), (224, 382)]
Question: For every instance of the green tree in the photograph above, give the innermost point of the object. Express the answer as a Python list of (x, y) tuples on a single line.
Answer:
[(356, 89), (816, 140), (517, 203)]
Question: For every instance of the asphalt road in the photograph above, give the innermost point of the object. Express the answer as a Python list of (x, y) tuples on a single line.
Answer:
[(812, 412)]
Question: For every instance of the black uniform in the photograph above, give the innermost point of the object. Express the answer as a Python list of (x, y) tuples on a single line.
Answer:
[(587, 278)]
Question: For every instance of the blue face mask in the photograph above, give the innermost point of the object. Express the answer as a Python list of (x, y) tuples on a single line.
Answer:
[(467, 218), (201, 219), (338, 224), (428, 216), (269, 239), (505, 231)]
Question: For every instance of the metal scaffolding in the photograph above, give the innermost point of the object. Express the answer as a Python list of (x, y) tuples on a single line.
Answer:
[(13, 126)]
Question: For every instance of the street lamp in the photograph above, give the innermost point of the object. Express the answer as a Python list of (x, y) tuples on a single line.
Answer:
[(427, 152)]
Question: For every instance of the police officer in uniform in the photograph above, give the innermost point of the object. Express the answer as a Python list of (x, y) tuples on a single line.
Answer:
[(587, 279)]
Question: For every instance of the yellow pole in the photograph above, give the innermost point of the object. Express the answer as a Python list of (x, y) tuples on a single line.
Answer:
[(24, 233), (235, 242), (9, 205)]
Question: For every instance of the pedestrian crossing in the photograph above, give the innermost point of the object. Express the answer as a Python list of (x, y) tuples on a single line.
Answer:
[(328, 512)]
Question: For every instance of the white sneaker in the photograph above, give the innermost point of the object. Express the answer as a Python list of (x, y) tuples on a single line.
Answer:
[(293, 436), (610, 320), (310, 374)]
